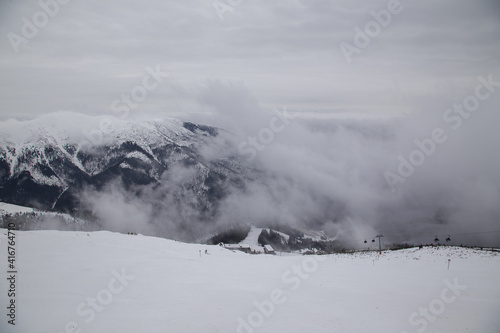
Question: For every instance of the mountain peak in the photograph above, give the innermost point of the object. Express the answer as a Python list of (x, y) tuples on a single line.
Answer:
[(48, 161)]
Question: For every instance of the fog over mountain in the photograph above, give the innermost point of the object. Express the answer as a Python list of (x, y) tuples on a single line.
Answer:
[(258, 115), (315, 174)]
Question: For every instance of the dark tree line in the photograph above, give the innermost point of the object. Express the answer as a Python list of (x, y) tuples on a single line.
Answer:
[(296, 242)]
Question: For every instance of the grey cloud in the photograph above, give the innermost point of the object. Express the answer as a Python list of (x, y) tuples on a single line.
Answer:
[(281, 50), (267, 55)]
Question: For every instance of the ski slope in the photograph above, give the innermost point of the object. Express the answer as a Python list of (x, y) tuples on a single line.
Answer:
[(108, 282), (6, 208), (253, 236), (252, 240)]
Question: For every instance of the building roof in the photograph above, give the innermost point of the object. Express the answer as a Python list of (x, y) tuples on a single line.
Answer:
[(268, 248), (237, 246)]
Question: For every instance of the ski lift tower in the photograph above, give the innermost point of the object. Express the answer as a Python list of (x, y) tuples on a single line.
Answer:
[(379, 245)]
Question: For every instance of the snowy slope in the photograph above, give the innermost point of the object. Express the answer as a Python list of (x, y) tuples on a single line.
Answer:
[(252, 239), (63, 128), (42, 219), (6, 208), (67, 133), (107, 282)]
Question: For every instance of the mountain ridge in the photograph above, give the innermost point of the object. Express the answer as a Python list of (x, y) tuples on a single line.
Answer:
[(45, 164)]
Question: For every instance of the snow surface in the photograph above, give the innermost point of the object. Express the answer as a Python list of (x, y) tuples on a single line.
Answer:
[(6, 208), (252, 237), (60, 130), (176, 287), (70, 221), (252, 240), (285, 236)]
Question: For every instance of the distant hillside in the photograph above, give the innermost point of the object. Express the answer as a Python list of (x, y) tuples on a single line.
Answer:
[(46, 164)]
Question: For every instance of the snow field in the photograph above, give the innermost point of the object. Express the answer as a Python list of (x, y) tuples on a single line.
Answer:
[(109, 282)]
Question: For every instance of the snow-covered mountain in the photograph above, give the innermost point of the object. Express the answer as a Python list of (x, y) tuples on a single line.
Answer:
[(48, 161)]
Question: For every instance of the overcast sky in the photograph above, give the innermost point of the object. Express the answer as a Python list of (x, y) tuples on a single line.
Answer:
[(391, 82), (285, 52)]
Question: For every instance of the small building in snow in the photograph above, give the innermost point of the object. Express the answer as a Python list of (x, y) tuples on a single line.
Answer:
[(268, 249)]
